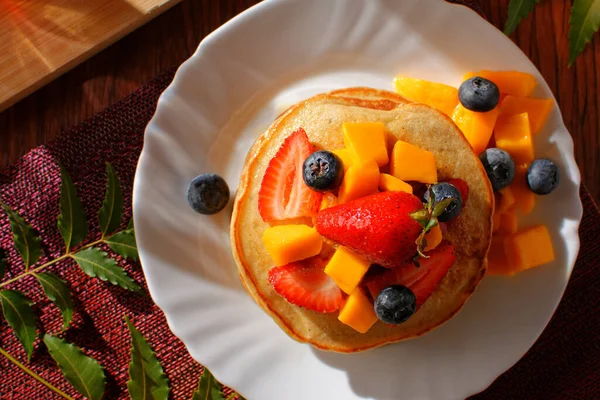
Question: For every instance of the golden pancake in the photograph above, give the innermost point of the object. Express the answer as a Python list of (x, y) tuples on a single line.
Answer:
[(322, 118)]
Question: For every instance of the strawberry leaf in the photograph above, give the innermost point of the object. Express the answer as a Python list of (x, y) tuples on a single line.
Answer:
[(96, 263), (208, 388), (111, 212), (432, 222), (441, 206), (130, 225), (26, 241), (20, 316), (2, 263), (584, 22), (83, 372), (147, 379), (58, 292), (123, 243), (421, 216), (72, 222), (517, 11)]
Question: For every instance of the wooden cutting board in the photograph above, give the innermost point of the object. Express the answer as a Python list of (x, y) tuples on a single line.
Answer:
[(41, 39)]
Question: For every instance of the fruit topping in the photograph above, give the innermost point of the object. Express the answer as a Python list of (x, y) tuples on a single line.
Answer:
[(476, 126), (283, 193), (436, 95), (346, 269), (361, 179), (524, 197), (433, 238), (498, 263), (306, 285), (529, 248), (410, 163), (463, 188), (499, 167), (367, 140), (421, 280), (329, 200), (377, 227), (479, 94), (505, 199), (509, 82), (443, 191), (358, 312), (395, 304), (542, 176), (346, 157), (208, 194), (537, 109), (508, 222), (391, 183), (323, 171), (288, 243), (513, 135)]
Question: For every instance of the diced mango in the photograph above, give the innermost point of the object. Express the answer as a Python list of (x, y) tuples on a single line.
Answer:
[(289, 243), (537, 109), (346, 156), (514, 257), (358, 312), (476, 126), (361, 179), (389, 183), (506, 199), (410, 163), (514, 83), (433, 238), (534, 246), (524, 197), (508, 222), (346, 269), (329, 200), (367, 140), (496, 220), (513, 135), (498, 263), (436, 95)]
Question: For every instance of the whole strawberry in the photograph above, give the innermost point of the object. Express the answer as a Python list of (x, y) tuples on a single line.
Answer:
[(378, 227)]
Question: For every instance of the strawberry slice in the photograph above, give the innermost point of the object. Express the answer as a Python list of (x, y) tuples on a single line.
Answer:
[(421, 280), (463, 188), (283, 193), (305, 284)]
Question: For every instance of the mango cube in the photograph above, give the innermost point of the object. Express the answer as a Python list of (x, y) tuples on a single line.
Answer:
[(476, 126), (524, 197), (289, 243), (367, 141), (514, 83), (496, 220), (389, 183), (513, 135), (505, 199), (508, 222), (358, 312), (436, 95), (514, 257), (537, 109), (433, 238), (534, 246), (410, 163), (346, 269), (346, 156), (498, 263), (361, 179)]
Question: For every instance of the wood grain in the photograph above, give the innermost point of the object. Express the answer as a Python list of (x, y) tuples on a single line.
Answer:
[(172, 37)]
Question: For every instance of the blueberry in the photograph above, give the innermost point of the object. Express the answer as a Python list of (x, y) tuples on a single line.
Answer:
[(499, 166), (542, 176), (322, 171), (442, 191), (208, 194), (478, 94), (395, 304)]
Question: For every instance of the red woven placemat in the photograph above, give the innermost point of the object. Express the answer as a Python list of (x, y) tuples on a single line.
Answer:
[(563, 364)]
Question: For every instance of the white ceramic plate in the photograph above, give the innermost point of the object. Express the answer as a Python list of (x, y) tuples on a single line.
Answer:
[(240, 78)]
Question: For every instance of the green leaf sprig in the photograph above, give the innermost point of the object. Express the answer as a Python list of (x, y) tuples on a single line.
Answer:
[(427, 218), (583, 23)]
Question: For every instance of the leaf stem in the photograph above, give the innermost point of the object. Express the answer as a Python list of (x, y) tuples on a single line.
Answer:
[(231, 396), (34, 375), (49, 263)]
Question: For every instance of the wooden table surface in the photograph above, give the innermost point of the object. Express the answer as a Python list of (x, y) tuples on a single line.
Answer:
[(172, 37)]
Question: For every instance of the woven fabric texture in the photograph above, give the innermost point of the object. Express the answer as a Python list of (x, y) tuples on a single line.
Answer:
[(563, 364)]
